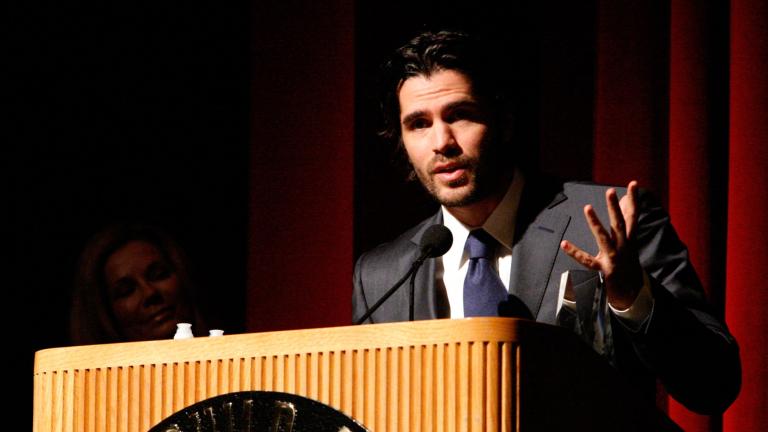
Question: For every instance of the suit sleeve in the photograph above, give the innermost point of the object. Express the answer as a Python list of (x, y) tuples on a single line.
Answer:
[(685, 346), (359, 302)]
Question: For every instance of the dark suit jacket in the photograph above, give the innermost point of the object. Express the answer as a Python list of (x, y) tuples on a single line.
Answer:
[(681, 344)]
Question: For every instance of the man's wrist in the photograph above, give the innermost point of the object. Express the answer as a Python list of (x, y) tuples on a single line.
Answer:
[(640, 309)]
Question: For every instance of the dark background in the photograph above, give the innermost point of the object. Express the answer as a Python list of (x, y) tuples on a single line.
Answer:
[(248, 130), (124, 112), (143, 113)]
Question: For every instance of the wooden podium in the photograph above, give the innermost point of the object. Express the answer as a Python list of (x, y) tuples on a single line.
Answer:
[(480, 374)]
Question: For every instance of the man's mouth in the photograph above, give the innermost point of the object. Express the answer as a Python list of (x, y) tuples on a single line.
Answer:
[(449, 172)]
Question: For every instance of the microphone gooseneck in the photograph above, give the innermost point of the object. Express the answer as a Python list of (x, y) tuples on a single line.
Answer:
[(435, 242)]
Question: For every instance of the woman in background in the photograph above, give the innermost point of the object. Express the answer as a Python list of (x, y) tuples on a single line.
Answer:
[(132, 284)]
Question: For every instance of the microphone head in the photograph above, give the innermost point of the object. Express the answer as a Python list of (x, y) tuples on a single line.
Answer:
[(436, 241)]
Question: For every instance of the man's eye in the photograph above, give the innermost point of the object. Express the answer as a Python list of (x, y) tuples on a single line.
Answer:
[(463, 114), (419, 124)]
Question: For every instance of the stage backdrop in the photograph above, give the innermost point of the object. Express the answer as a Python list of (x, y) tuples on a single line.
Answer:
[(673, 94)]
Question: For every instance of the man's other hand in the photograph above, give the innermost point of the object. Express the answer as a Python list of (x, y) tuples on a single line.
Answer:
[(617, 257)]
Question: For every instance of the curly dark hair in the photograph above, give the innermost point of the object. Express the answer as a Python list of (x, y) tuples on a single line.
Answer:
[(431, 52)]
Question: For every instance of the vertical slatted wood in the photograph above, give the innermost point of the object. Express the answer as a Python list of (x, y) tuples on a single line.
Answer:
[(225, 376), (268, 373), (174, 391), (133, 398), (37, 403), (235, 376), (283, 369), (43, 386), (167, 380), (453, 386), (315, 385), (245, 374), (213, 378), (121, 388), (492, 386), (257, 375), (331, 379), (415, 384), (313, 390), (392, 391), (90, 404), (201, 379), (145, 393), (156, 399), (347, 395), (113, 407), (405, 378), (442, 411), (508, 383), (463, 395), (190, 383), (358, 385), (325, 366), (370, 386), (289, 373), (425, 364), (102, 400), (67, 414), (517, 389), (57, 401), (380, 407), (301, 374), (80, 399), (476, 358)]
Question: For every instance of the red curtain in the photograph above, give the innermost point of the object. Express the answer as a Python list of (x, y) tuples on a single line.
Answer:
[(698, 151), (746, 292), (301, 165), (682, 105)]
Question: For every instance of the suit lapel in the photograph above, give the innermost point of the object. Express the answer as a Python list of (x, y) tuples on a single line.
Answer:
[(538, 234), (539, 231), (425, 297)]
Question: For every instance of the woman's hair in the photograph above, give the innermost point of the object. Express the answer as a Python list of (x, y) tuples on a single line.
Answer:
[(91, 318)]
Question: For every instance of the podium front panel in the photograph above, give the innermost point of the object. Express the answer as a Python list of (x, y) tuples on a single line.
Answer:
[(441, 375)]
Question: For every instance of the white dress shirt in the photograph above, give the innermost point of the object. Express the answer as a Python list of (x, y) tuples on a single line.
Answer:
[(451, 268)]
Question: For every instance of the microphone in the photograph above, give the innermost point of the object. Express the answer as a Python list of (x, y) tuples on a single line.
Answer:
[(435, 242)]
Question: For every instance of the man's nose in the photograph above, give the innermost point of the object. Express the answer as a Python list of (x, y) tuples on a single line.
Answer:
[(444, 139)]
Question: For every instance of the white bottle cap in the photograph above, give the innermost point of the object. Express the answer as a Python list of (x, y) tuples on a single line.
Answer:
[(215, 333), (183, 331)]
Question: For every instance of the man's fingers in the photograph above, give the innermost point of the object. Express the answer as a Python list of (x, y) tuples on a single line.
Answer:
[(602, 237), (579, 255), (616, 217), (628, 205)]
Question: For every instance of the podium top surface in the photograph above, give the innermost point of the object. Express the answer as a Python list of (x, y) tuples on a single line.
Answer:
[(372, 336)]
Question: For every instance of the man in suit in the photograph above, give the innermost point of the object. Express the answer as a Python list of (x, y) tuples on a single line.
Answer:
[(515, 234)]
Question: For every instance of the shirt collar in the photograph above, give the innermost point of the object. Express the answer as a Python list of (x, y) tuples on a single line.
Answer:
[(500, 224)]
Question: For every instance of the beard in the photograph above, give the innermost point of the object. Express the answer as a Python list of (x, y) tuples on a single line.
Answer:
[(479, 181)]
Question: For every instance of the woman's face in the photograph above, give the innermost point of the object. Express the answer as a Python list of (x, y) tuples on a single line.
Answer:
[(144, 291)]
